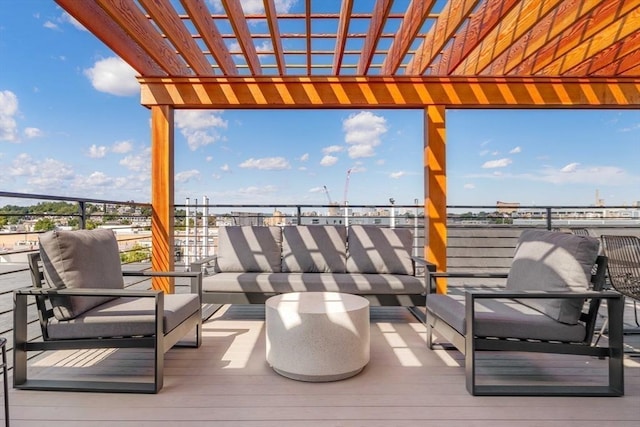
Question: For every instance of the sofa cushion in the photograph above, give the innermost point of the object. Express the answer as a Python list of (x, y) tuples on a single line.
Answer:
[(553, 261), (80, 259), (373, 249), (314, 249), (249, 248)]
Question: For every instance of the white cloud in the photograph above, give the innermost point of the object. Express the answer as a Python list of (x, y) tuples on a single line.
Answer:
[(396, 175), (516, 150), (186, 176), (328, 160), (8, 110), (122, 147), (363, 132), (209, 159), (32, 132), (469, 186), (46, 174), (570, 168), (140, 162), (99, 179), (304, 157), (50, 25), (332, 149), (225, 168), (200, 127), (256, 6), (499, 163), (267, 163), (316, 190), (114, 76), (257, 191), (97, 152)]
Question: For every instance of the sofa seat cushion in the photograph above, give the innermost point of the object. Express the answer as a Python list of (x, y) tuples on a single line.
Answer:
[(379, 250), (80, 259), (503, 318), (314, 249), (553, 261), (300, 282), (123, 317), (249, 248)]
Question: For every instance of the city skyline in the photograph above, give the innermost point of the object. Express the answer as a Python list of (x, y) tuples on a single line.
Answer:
[(71, 124)]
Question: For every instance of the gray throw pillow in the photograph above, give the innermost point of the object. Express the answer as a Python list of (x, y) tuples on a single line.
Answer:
[(373, 249), (249, 249), (314, 249), (553, 261), (80, 259)]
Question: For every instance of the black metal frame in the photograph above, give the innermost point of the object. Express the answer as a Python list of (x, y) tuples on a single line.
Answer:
[(159, 341), (468, 344)]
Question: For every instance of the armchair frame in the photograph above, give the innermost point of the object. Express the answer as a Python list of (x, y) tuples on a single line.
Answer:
[(159, 341)]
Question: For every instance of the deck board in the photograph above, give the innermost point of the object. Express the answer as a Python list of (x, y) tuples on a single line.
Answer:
[(228, 383)]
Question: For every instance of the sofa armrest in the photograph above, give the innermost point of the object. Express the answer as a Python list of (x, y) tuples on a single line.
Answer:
[(199, 264)]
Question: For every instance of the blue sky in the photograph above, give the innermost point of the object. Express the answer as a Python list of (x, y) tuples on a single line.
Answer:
[(71, 124)]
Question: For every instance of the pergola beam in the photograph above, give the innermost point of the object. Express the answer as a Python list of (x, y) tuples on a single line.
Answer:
[(389, 92)]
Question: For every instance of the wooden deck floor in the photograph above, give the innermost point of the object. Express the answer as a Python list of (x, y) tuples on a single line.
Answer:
[(228, 383)]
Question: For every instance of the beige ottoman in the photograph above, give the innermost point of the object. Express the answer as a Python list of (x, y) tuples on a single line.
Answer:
[(317, 336)]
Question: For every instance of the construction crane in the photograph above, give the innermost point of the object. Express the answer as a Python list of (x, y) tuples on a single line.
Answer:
[(346, 188), (326, 191)]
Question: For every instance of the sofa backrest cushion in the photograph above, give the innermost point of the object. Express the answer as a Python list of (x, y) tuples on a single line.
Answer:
[(80, 259), (553, 261), (373, 249), (249, 249), (314, 249)]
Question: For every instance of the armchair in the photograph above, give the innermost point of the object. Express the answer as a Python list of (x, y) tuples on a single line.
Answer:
[(81, 303)]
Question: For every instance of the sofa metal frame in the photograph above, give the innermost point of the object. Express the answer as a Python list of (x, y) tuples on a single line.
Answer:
[(159, 341), (469, 344)]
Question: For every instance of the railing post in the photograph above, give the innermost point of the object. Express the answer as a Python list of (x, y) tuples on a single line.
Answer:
[(548, 217), (83, 215), (299, 214)]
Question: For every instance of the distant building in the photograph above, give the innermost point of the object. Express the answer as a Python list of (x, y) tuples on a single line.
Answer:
[(507, 207)]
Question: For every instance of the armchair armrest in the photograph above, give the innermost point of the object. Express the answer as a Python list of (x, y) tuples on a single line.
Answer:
[(195, 276)]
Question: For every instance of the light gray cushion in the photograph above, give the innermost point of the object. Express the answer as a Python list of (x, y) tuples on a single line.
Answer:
[(80, 259), (123, 317), (314, 249), (503, 319), (553, 261), (373, 249), (249, 248)]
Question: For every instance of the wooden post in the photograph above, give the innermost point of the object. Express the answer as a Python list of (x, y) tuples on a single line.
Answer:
[(162, 220), (435, 176)]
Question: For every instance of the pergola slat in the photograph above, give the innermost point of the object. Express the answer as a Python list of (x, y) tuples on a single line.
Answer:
[(341, 36), (380, 13), (622, 66), (517, 23), (96, 20), (167, 18), (200, 16), (470, 36), (587, 26), (614, 54), (417, 12), (546, 29), (450, 19), (243, 35), (276, 40), (131, 19), (616, 31)]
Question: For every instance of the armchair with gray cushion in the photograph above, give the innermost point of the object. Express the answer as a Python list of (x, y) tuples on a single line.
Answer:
[(549, 305), (82, 304)]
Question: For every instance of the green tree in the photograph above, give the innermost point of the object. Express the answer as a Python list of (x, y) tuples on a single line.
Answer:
[(44, 224), (137, 254)]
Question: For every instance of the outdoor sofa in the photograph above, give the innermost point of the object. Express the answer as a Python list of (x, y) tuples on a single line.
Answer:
[(253, 263)]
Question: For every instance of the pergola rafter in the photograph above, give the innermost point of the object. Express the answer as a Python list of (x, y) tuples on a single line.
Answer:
[(423, 54)]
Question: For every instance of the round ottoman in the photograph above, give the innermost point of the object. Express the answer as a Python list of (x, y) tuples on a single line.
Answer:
[(317, 336)]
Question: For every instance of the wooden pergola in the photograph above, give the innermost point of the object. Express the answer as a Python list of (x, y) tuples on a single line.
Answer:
[(405, 54)]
